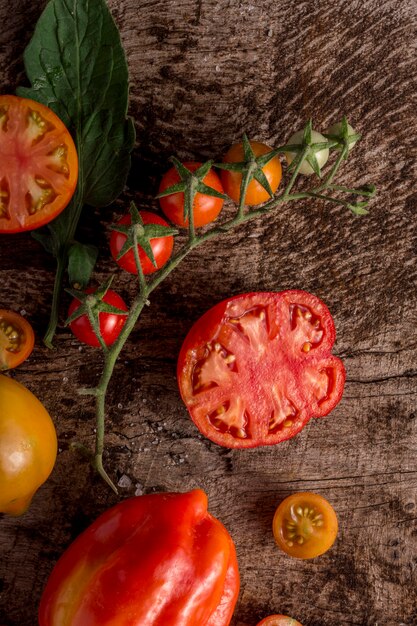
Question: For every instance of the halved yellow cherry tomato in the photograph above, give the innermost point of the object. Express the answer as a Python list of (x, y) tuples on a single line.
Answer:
[(16, 339), (278, 620), (28, 446), (305, 525)]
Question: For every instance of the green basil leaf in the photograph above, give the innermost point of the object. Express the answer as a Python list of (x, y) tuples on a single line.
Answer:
[(81, 261), (77, 66)]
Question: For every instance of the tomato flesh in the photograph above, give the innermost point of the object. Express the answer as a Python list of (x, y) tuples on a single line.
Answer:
[(16, 339), (305, 525), (38, 165), (255, 368)]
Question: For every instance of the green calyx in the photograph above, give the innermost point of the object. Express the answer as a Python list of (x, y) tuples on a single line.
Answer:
[(343, 134), (91, 305), (250, 169), (190, 184), (139, 234), (307, 150)]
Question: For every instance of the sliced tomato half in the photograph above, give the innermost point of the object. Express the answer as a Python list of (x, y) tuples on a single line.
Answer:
[(16, 339), (256, 367), (38, 165)]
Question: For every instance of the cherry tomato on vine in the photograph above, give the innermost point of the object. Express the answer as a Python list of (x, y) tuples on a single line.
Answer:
[(255, 368), (16, 339), (336, 129), (111, 324), (305, 525), (321, 156), (205, 208), (278, 620), (38, 165), (28, 446), (255, 194), (161, 246)]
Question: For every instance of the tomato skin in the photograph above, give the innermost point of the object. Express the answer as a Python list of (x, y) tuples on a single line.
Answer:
[(205, 208), (305, 525), (278, 620), (255, 193), (16, 339), (110, 324), (150, 560), (28, 446), (161, 247), (39, 164), (256, 367), (321, 156)]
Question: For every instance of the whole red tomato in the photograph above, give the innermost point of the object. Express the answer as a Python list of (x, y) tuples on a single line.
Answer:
[(111, 324), (156, 560), (255, 194), (256, 367), (205, 208), (161, 246), (39, 165)]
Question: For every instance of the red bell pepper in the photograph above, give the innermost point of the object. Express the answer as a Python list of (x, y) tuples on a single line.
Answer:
[(155, 560)]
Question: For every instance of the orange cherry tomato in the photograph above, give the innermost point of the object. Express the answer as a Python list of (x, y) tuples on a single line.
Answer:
[(16, 339), (305, 525), (255, 193), (278, 620), (205, 208), (28, 446), (38, 165)]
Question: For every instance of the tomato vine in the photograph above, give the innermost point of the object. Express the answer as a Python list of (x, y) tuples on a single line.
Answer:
[(305, 150)]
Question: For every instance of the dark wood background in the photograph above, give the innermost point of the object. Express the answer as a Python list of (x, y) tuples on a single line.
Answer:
[(201, 73)]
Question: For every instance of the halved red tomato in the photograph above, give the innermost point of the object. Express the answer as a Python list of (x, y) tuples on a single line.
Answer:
[(38, 165), (256, 367), (16, 339)]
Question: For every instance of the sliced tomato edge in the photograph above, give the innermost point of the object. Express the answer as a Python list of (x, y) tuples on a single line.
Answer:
[(62, 131), (214, 317)]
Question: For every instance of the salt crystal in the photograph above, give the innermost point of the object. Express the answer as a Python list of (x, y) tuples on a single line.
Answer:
[(124, 482)]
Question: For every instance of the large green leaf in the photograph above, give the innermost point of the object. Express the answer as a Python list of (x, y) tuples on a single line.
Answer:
[(77, 66)]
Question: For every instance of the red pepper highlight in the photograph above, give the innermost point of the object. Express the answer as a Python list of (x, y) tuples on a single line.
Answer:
[(154, 560)]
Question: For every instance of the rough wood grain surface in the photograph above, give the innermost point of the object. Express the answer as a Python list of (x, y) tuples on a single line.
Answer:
[(202, 72)]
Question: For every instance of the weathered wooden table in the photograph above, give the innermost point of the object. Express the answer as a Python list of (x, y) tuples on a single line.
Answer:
[(203, 72)]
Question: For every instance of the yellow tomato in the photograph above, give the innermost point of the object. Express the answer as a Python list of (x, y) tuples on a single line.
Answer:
[(28, 446), (305, 525)]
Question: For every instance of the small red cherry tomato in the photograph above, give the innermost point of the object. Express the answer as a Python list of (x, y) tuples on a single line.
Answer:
[(205, 208), (255, 368), (161, 246), (255, 193), (111, 324), (278, 620), (16, 339), (305, 525)]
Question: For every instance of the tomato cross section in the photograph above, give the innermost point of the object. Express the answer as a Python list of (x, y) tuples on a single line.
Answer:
[(38, 165), (255, 368)]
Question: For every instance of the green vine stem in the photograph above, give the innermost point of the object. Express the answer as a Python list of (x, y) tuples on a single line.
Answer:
[(146, 287)]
